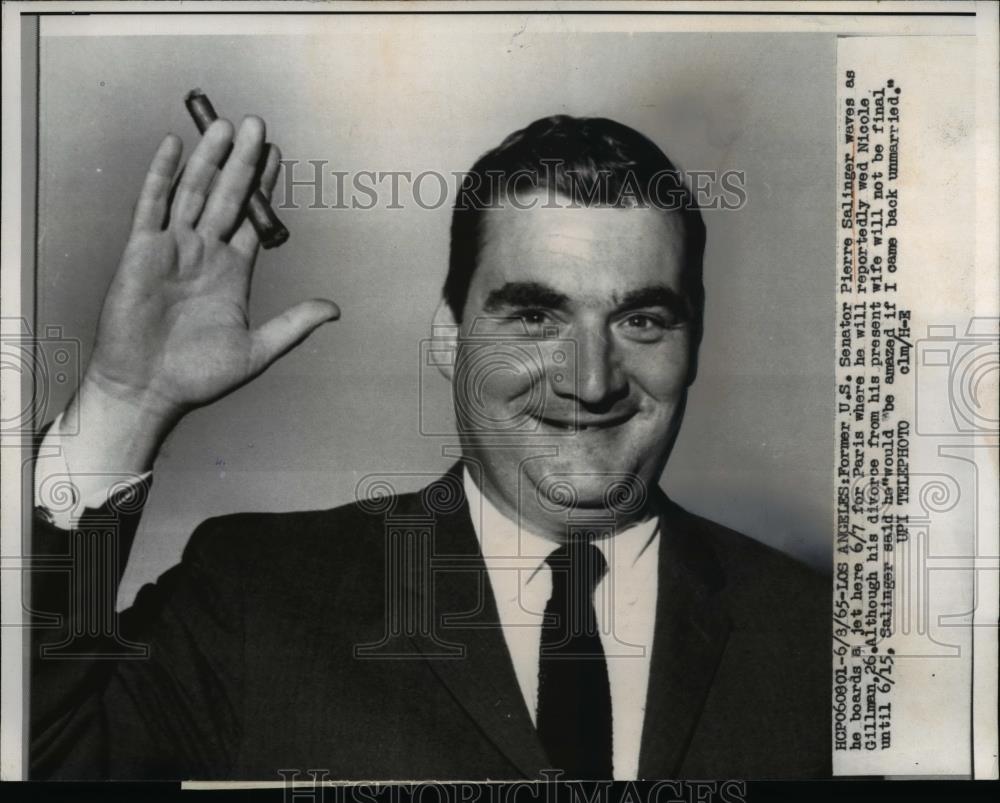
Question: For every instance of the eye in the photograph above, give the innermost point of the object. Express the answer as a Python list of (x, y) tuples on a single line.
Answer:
[(532, 318), (641, 321), (645, 326), (529, 321)]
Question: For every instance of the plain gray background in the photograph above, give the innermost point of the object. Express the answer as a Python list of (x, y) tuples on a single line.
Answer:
[(756, 448)]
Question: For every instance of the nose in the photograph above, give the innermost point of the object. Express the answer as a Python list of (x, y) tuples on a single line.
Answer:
[(594, 377)]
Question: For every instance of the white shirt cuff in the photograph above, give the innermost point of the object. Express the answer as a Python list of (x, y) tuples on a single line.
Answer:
[(62, 497)]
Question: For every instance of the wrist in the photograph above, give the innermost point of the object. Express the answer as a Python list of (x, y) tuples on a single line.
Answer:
[(143, 403), (117, 431)]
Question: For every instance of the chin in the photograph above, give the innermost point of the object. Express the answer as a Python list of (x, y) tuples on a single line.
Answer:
[(587, 484)]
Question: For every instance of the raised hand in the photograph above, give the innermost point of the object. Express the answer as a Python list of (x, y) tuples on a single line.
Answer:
[(174, 331)]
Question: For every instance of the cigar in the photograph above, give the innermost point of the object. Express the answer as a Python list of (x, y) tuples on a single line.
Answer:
[(270, 230)]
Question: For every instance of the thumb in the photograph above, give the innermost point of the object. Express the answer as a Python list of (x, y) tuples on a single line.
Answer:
[(285, 331)]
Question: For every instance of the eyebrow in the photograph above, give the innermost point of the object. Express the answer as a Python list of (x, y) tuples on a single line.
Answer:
[(657, 295), (541, 296), (525, 294)]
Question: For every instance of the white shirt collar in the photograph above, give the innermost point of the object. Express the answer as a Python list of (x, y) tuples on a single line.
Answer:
[(508, 543)]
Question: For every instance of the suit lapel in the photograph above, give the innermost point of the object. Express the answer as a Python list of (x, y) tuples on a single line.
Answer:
[(691, 632), (467, 651), (476, 668)]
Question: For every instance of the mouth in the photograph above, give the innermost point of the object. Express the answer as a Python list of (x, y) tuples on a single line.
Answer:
[(583, 424)]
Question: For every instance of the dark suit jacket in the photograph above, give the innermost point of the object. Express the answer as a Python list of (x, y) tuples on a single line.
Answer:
[(364, 641)]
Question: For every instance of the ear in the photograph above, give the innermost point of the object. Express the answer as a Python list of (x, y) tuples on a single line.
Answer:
[(444, 340)]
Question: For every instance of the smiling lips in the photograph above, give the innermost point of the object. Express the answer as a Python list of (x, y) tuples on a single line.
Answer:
[(584, 423)]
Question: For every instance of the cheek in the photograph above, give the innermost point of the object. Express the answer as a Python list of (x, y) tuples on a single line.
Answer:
[(497, 374), (661, 376)]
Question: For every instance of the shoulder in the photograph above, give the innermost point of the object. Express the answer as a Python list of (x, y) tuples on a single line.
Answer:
[(289, 542), (761, 583), (768, 712), (281, 564)]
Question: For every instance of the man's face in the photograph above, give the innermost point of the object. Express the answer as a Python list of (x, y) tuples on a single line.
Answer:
[(578, 338)]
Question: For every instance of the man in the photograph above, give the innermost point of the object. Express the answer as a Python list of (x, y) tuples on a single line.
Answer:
[(541, 606)]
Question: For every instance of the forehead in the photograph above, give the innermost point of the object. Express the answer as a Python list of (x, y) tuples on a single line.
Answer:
[(600, 251)]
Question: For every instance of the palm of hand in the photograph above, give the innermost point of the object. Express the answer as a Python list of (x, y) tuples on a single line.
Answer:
[(174, 329)]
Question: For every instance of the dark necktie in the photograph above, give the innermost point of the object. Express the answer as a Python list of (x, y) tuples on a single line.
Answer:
[(574, 696)]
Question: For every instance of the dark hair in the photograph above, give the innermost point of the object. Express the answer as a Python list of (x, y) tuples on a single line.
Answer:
[(593, 161)]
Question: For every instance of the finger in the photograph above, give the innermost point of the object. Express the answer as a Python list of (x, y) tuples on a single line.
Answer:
[(200, 171), (285, 331), (235, 182), (245, 239), (151, 207)]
